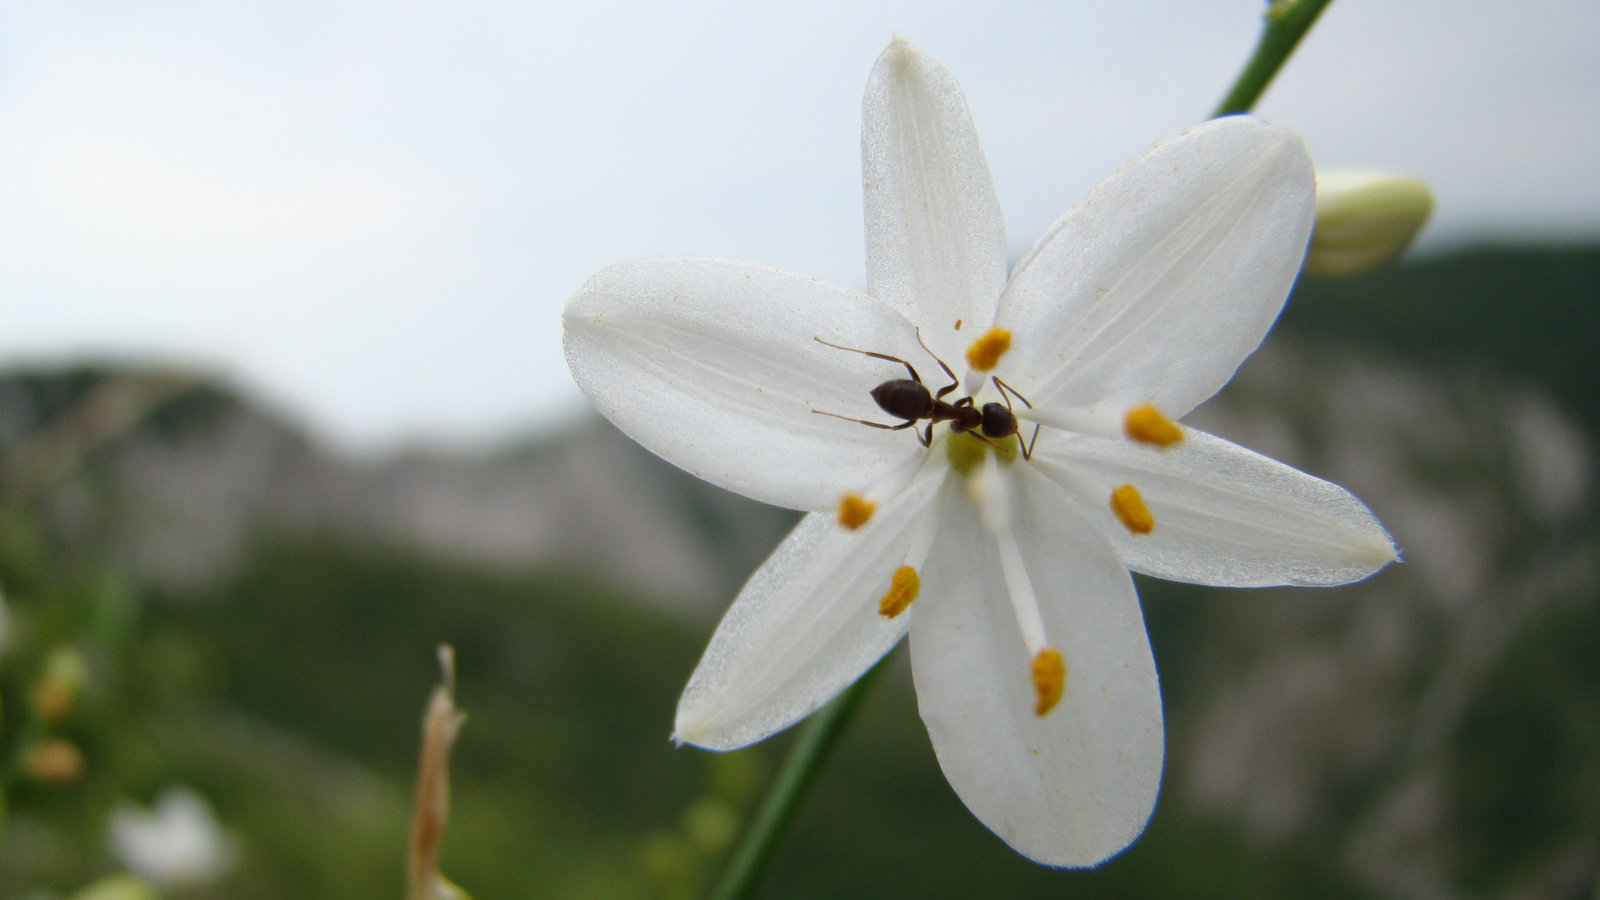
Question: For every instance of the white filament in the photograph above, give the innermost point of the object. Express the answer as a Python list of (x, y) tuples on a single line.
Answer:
[(927, 529), (1024, 603), (1100, 422), (1090, 491), (898, 477)]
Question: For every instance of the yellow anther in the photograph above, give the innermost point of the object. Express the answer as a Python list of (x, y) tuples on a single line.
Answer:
[(855, 510), (1130, 508), (985, 352), (1147, 425), (903, 588), (1049, 680)]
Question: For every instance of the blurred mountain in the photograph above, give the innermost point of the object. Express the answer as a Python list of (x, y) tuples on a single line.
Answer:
[(188, 492), (1432, 733)]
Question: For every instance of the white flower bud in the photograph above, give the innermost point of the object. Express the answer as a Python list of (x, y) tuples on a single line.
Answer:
[(1365, 219)]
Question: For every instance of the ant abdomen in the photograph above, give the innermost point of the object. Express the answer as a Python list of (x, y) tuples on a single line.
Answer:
[(904, 399)]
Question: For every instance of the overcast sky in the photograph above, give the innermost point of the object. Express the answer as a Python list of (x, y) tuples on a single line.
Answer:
[(371, 212)]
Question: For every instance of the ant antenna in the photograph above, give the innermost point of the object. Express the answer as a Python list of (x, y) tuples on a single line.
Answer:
[(951, 375), (883, 356)]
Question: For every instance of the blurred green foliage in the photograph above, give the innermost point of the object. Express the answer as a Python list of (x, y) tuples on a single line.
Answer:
[(565, 785), (1532, 313)]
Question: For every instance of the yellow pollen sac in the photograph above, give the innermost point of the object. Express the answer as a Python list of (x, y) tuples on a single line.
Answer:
[(1130, 508), (1049, 680), (855, 510), (985, 352), (1148, 426), (903, 588)]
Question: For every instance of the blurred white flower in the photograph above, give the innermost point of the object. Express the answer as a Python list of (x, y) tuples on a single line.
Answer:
[(1033, 672), (176, 843)]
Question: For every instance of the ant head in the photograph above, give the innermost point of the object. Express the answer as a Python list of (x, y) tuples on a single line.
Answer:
[(998, 421)]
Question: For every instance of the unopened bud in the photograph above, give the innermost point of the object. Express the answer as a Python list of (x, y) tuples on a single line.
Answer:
[(1365, 219), (65, 673), (53, 762)]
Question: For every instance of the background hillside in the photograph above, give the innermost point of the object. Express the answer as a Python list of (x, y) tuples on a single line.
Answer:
[(256, 616)]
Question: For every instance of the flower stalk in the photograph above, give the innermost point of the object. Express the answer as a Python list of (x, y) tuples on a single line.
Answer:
[(812, 745), (1287, 21)]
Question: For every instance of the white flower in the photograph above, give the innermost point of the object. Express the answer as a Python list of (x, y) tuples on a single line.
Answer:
[(1033, 672), (178, 843)]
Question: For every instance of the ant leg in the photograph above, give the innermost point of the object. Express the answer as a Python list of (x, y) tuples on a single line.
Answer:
[(954, 381), (1027, 452), (1006, 387), (902, 425), (926, 437), (914, 376), (964, 401)]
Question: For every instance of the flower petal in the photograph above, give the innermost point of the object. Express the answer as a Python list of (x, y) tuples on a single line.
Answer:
[(1225, 515), (807, 624), (1077, 785), (936, 245), (1167, 276), (713, 365)]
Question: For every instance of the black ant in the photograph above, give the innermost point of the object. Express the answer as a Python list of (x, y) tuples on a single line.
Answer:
[(910, 399)]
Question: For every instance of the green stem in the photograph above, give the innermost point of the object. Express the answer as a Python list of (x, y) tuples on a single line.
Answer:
[(1287, 21), (811, 747)]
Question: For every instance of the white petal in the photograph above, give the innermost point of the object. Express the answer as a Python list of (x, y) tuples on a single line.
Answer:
[(1225, 515), (807, 623), (936, 245), (1076, 786), (1167, 276), (712, 364)]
